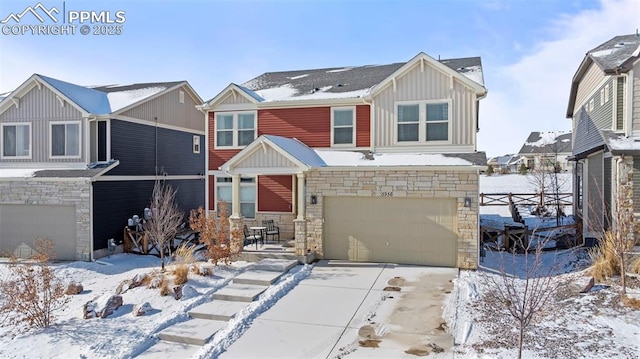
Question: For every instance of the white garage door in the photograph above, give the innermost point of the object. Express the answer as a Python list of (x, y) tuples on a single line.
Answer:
[(395, 230), (21, 224)]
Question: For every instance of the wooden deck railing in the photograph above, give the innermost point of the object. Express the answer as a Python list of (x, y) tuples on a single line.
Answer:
[(524, 199)]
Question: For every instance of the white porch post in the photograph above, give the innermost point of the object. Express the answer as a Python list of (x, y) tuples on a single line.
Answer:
[(235, 195), (300, 197)]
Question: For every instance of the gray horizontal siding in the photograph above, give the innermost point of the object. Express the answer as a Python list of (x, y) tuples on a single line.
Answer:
[(586, 134), (134, 145)]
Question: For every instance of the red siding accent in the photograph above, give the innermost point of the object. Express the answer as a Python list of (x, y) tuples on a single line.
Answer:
[(310, 125), (212, 191), (274, 193), (363, 126)]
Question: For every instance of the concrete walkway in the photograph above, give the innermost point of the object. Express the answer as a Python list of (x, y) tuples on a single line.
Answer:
[(343, 308), (185, 339)]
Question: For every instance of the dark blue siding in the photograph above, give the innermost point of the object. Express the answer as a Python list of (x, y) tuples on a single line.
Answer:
[(134, 145), (102, 141), (116, 201)]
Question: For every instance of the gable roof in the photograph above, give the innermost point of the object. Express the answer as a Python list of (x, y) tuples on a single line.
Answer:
[(103, 100), (613, 57), (342, 82), (547, 143)]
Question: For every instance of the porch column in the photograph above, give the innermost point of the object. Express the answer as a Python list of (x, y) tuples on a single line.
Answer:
[(235, 195), (300, 197)]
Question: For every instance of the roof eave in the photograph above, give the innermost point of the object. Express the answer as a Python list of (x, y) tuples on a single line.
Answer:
[(211, 104)]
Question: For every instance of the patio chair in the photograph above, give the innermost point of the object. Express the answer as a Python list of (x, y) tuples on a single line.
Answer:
[(251, 238), (272, 230)]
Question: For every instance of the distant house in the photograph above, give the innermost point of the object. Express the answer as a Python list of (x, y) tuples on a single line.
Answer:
[(365, 163), (604, 106), (547, 150), (77, 162), (505, 164)]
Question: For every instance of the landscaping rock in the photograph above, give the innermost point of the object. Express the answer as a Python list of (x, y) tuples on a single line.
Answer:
[(141, 309), (74, 288), (125, 285), (102, 307), (587, 287)]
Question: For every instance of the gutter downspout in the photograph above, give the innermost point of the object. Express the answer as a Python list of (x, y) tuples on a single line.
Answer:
[(628, 104)]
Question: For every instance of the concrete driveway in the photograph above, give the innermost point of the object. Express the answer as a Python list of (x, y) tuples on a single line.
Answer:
[(342, 309)]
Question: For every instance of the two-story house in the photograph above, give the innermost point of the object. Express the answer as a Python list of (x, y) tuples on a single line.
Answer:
[(547, 151), (367, 163), (604, 106), (76, 162)]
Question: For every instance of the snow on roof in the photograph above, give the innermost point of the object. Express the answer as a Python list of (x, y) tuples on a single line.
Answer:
[(339, 70), (550, 141), (298, 150), (546, 138), (281, 93), (473, 73), (288, 93), (622, 143), (122, 99), (357, 159), (299, 77), (91, 100), (18, 172)]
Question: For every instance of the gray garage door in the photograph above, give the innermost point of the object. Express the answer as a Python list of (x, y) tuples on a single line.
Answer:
[(21, 224), (396, 230)]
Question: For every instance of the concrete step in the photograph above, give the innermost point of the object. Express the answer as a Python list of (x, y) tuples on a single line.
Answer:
[(164, 350), (193, 331), (217, 310), (258, 277), (275, 265), (239, 292)]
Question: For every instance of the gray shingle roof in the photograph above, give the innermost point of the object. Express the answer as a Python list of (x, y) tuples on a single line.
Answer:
[(476, 158), (616, 52), (547, 142), (66, 173), (350, 78), (119, 88)]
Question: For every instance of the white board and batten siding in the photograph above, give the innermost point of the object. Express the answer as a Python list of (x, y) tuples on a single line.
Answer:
[(40, 107), (169, 111), (427, 83), (234, 98), (267, 158)]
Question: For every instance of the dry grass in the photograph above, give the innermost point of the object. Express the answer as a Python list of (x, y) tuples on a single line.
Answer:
[(202, 270), (635, 266), (184, 258), (181, 274), (631, 302), (605, 262), (164, 287)]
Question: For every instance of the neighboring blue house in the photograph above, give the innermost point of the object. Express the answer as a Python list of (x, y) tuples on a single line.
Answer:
[(76, 162)]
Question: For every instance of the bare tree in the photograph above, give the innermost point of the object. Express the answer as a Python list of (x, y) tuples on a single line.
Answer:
[(525, 285), (165, 219), (545, 177), (32, 292)]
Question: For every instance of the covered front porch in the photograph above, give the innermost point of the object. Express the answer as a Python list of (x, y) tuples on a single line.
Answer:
[(273, 156)]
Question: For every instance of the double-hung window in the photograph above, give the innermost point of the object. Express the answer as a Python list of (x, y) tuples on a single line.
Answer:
[(343, 126), (235, 129), (247, 195), (65, 139), (421, 122), (16, 140)]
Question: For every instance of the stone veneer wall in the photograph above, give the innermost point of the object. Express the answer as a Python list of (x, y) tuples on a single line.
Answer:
[(283, 220), (76, 192), (403, 183)]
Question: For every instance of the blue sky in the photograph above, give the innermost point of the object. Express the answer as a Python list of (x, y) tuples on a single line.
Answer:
[(530, 49)]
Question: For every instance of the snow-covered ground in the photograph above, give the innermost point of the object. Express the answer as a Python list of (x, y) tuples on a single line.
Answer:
[(590, 325)]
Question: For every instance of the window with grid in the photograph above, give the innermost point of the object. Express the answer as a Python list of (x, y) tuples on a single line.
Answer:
[(437, 122), (235, 129), (247, 195), (343, 122), (408, 123)]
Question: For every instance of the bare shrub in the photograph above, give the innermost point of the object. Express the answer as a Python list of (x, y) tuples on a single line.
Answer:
[(525, 296), (165, 217), (215, 233), (32, 292), (201, 270), (164, 287)]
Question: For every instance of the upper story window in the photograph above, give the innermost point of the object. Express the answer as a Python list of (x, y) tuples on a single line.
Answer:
[(181, 96), (65, 139), (16, 140), (235, 129), (196, 144), (343, 126), (424, 121)]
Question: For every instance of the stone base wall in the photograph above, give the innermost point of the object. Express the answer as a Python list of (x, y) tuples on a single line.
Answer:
[(76, 192), (403, 183)]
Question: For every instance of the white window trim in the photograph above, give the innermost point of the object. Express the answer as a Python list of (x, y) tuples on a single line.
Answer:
[(51, 124), (353, 143), (2, 156), (229, 184), (235, 128), (607, 95), (181, 96), (422, 125), (196, 144)]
